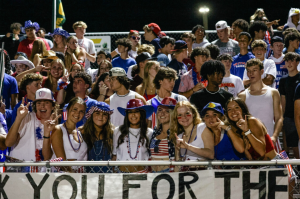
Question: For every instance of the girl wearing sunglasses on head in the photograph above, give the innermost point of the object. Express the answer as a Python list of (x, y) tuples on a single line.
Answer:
[(135, 38)]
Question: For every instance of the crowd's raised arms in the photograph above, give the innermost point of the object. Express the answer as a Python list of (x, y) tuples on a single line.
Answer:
[(177, 100)]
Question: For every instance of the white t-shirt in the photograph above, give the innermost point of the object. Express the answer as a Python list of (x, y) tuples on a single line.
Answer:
[(133, 54), (269, 68), (129, 71), (122, 151), (233, 84), (149, 102), (89, 47)]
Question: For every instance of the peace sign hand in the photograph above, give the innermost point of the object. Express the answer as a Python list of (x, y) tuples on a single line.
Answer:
[(41, 68), (23, 110), (50, 124), (243, 124)]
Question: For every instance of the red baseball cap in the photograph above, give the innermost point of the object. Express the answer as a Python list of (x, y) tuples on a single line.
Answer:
[(155, 28)]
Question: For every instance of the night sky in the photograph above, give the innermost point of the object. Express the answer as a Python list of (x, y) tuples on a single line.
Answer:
[(120, 15)]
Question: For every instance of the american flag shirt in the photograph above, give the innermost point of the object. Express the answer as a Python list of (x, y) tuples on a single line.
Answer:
[(165, 149)]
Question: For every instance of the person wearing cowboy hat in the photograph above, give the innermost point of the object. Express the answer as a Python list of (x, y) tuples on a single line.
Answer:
[(120, 83), (60, 37), (29, 136), (26, 45), (161, 147), (98, 132), (21, 64), (131, 139)]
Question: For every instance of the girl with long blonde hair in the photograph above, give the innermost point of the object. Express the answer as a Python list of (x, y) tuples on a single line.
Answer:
[(74, 53), (192, 142), (39, 51)]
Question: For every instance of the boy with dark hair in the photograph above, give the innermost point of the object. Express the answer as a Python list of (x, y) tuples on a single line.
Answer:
[(180, 52), (231, 83), (213, 71), (258, 31), (291, 42), (199, 32), (214, 51), (82, 82), (120, 84), (29, 83), (192, 81), (152, 31), (238, 26), (287, 87), (225, 44), (239, 61), (263, 101), (123, 61), (167, 45), (259, 48), (41, 33), (277, 47), (164, 82)]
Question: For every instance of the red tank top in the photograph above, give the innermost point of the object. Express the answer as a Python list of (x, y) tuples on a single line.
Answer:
[(269, 147)]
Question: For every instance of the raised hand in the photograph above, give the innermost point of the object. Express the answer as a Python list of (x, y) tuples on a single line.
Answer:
[(243, 124), (102, 88), (65, 78), (221, 124), (41, 68), (23, 110), (50, 124), (198, 87), (181, 143)]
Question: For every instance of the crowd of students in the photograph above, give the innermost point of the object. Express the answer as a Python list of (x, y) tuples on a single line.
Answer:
[(165, 100)]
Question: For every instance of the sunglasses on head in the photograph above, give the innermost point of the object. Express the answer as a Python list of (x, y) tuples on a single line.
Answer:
[(135, 37)]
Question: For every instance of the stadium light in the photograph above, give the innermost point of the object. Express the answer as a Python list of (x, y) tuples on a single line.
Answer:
[(204, 10)]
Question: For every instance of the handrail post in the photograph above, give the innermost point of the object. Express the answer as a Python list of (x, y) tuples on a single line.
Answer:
[(48, 167)]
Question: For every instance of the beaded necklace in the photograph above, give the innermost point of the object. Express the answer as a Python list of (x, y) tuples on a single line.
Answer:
[(70, 139), (129, 148)]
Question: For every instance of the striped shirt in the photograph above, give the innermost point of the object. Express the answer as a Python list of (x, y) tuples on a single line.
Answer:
[(161, 146)]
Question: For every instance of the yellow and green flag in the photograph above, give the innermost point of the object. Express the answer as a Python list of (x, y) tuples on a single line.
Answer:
[(60, 14)]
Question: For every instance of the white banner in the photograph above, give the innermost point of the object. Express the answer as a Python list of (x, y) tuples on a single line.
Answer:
[(234, 184), (101, 43)]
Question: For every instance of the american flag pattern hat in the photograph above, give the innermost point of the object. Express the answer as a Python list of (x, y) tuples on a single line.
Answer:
[(99, 106)]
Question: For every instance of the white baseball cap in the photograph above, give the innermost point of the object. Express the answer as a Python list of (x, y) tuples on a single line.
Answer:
[(221, 25), (44, 94), (117, 72)]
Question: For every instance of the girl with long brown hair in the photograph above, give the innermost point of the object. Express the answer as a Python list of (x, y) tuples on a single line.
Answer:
[(39, 51), (147, 88), (98, 134)]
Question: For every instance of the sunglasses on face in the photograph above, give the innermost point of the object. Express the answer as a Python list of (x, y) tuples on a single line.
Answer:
[(135, 38)]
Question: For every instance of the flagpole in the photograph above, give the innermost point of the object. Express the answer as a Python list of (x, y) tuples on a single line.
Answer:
[(2, 67), (54, 14)]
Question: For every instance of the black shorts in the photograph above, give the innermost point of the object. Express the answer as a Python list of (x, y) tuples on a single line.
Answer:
[(291, 133)]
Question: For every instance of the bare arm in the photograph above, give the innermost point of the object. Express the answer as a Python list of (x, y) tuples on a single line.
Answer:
[(91, 57), (107, 101), (39, 68), (268, 80), (36, 60), (2, 142), (242, 95), (277, 114), (237, 141), (189, 93), (138, 89), (57, 143), (297, 115), (257, 136), (138, 96), (61, 96)]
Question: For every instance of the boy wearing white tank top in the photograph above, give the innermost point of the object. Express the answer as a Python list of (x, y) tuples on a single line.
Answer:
[(263, 101), (120, 84)]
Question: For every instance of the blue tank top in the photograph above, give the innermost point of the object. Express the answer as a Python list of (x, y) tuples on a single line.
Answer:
[(98, 153), (226, 151)]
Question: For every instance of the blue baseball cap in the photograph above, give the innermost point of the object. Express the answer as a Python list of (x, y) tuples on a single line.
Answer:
[(179, 45), (212, 106), (276, 39)]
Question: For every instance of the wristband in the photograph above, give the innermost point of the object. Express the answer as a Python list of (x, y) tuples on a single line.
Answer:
[(228, 128), (62, 85), (248, 132), (46, 137)]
